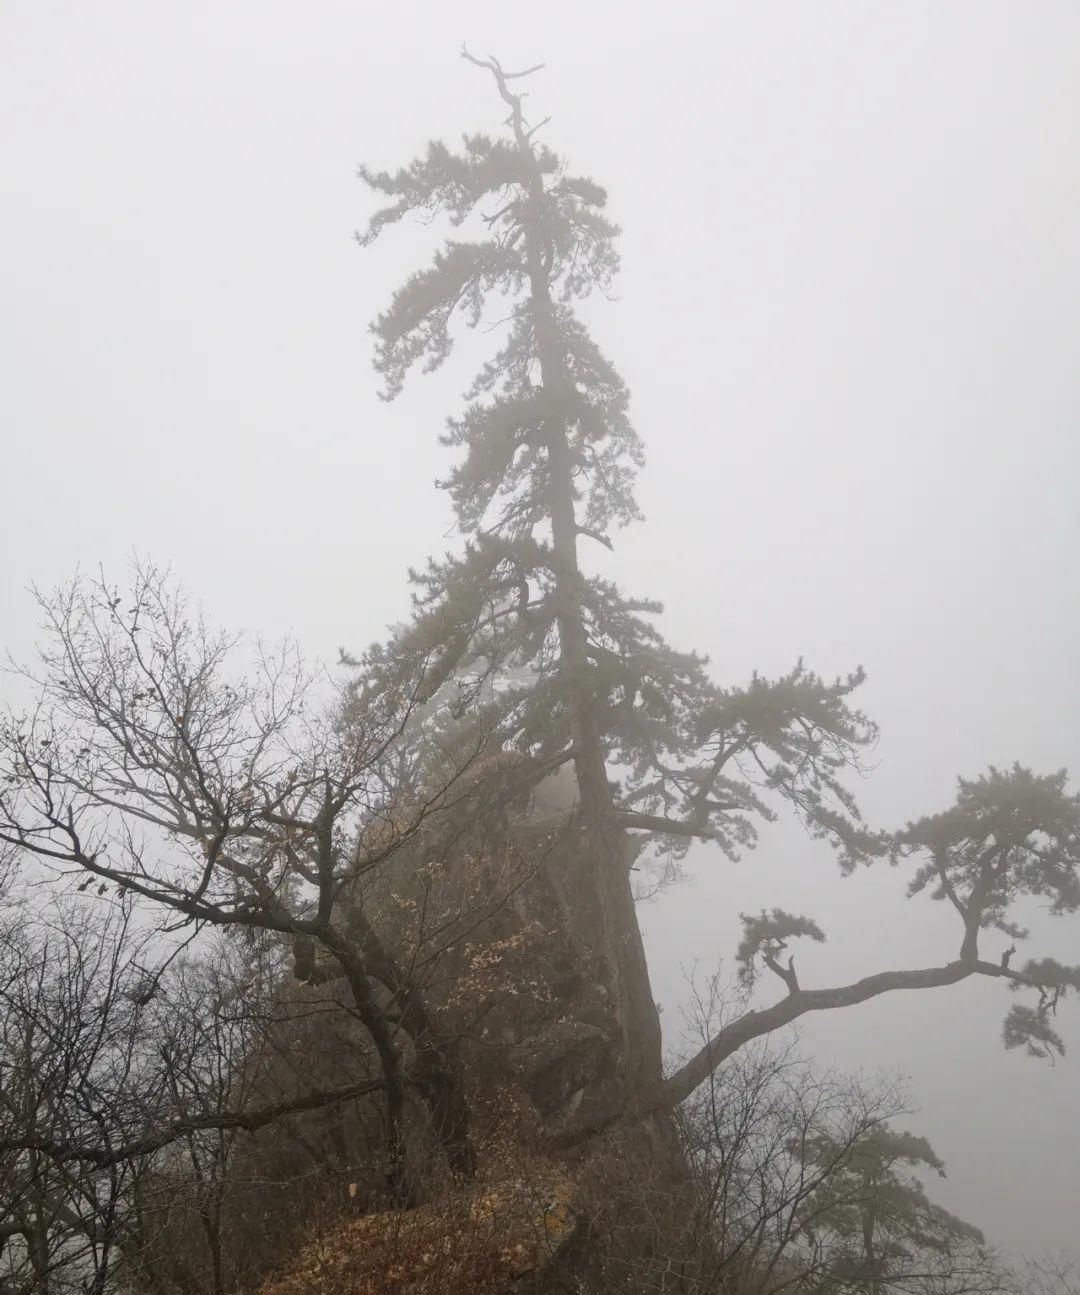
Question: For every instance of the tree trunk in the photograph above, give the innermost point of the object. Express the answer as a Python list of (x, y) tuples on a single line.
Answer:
[(605, 860)]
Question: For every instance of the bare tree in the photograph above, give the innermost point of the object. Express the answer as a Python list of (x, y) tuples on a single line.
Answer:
[(1054, 1275), (76, 1071), (802, 1182), (747, 1131), (150, 773)]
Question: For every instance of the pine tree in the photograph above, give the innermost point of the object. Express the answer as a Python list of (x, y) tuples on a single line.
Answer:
[(275, 822), (548, 457), (573, 669), (873, 1227)]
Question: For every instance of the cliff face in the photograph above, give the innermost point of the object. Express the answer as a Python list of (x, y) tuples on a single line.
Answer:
[(536, 1041), (495, 912)]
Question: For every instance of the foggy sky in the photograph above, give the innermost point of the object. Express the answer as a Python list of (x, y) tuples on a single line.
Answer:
[(849, 315)]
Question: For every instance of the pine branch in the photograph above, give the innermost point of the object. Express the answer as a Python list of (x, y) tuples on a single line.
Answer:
[(667, 826), (752, 1025), (675, 1090), (597, 536)]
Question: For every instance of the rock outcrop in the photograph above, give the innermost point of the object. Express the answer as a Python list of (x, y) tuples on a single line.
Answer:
[(484, 1241)]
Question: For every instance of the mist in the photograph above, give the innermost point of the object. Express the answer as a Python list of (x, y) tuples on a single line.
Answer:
[(848, 313)]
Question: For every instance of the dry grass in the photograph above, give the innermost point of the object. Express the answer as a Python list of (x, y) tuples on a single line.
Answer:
[(470, 1242)]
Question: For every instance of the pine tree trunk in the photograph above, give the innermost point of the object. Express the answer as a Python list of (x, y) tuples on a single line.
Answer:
[(619, 951)]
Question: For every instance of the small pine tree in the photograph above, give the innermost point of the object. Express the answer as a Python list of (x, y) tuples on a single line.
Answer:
[(875, 1226)]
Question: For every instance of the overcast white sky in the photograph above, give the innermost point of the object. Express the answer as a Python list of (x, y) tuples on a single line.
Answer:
[(849, 315)]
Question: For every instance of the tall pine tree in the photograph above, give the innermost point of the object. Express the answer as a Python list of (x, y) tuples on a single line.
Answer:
[(571, 670), (547, 460)]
